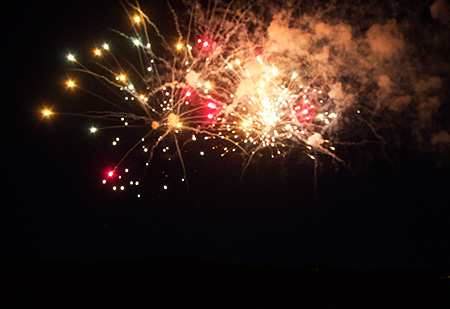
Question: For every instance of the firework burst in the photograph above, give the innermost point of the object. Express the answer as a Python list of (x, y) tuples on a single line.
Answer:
[(216, 81)]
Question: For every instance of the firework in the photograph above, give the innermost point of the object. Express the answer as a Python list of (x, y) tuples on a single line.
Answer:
[(216, 82)]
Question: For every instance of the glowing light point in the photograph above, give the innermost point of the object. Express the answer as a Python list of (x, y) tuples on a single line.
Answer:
[(110, 173), (275, 71), (315, 140), (70, 84), (179, 46), (46, 112), (105, 46), (71, 57), (155, 125), (173, 120), (137, 19), (97, 52), (93, 129), (294, 75), (205, 44)]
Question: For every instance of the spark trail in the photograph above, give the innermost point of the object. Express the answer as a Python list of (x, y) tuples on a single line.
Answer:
[(218, 80)]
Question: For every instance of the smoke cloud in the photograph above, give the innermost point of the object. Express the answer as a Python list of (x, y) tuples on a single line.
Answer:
[(383, 65)]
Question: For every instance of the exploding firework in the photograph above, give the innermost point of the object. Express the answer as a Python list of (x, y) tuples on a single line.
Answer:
[(216, 82)]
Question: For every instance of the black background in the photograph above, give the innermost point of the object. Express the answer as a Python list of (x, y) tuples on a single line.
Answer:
[(55, 208)]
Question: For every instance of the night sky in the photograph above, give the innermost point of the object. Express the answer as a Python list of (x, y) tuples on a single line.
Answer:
[(389, 208)]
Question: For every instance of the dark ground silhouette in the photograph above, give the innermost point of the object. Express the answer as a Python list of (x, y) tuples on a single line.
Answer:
[(194, 282)]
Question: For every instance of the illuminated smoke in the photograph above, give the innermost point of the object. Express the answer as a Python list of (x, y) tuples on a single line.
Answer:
[(269, 77)]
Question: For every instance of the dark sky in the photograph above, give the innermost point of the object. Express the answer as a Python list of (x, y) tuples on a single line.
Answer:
[(391, 213)]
